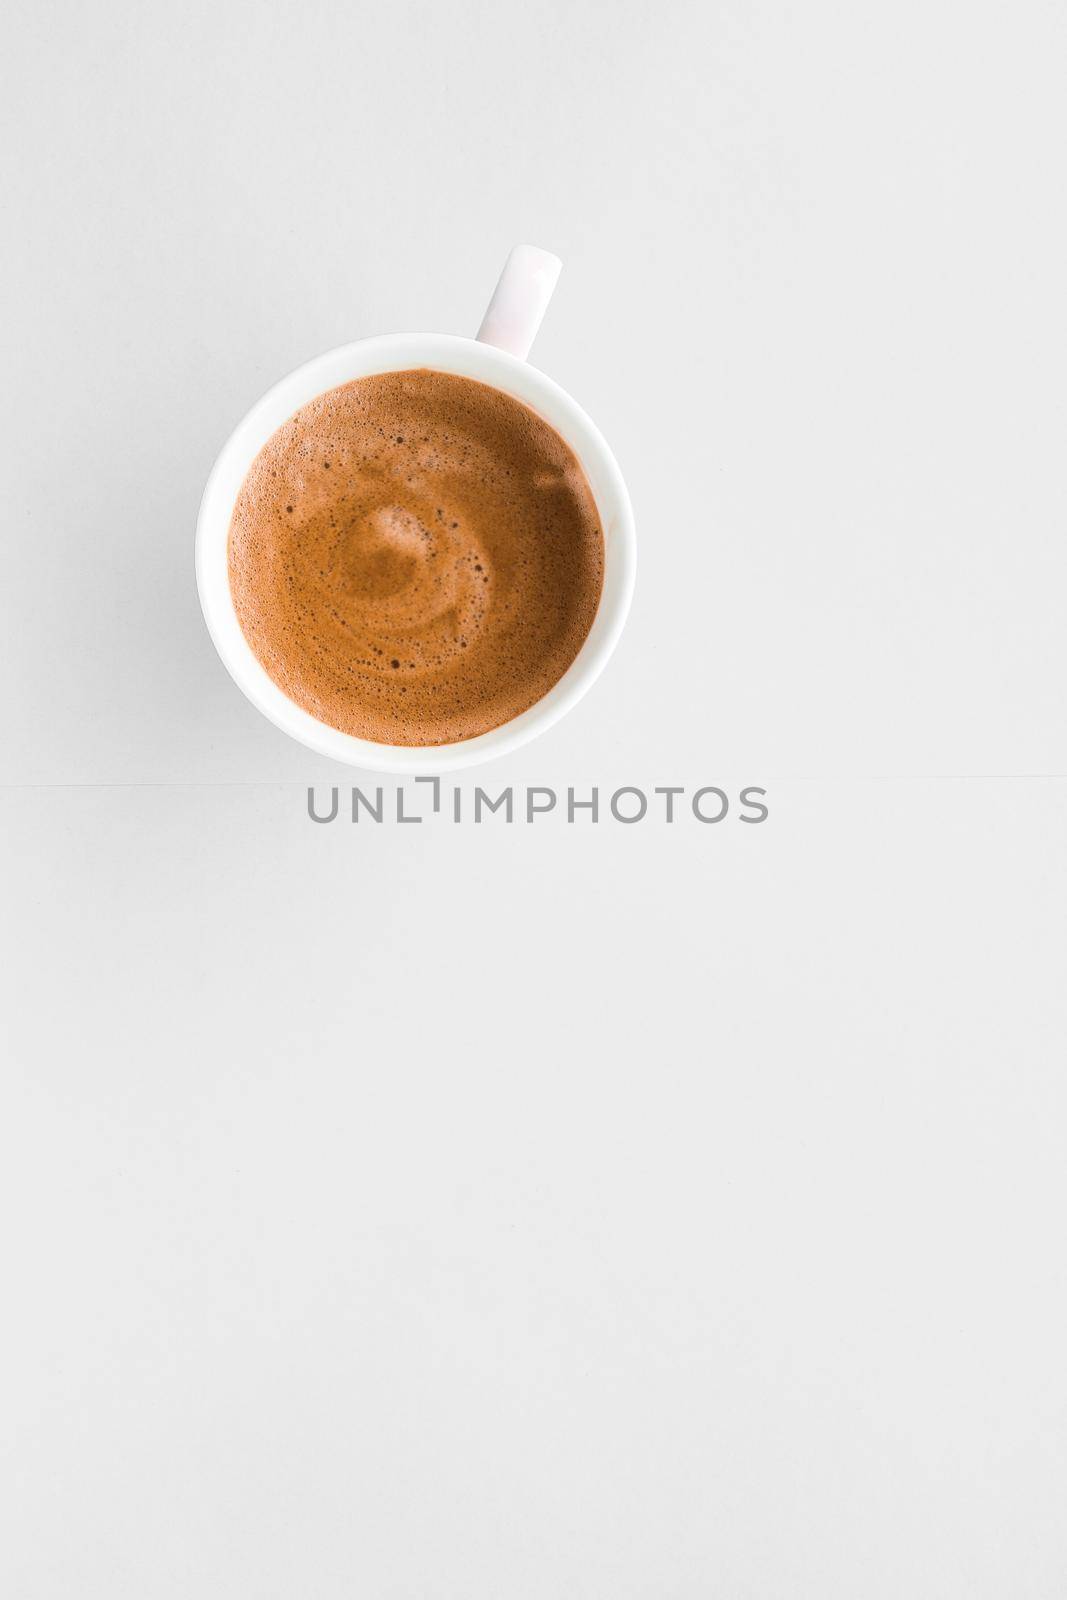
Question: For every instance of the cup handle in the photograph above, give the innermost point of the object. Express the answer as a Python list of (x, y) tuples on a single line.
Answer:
[(520, 300)]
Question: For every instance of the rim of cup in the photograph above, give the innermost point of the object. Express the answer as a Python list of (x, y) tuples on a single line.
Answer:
[(485, 363)]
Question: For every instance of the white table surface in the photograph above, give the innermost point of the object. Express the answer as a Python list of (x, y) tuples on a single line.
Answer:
[(549, 1211)]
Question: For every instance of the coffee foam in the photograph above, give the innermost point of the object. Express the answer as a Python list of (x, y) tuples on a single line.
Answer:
[(415, 558)]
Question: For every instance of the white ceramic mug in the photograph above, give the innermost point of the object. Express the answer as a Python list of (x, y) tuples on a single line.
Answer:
[(496, 357)]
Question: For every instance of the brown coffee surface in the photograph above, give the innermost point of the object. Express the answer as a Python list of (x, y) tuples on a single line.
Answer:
[(415, 558)]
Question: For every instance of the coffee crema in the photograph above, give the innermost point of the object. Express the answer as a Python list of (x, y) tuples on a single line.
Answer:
[(415, 558)]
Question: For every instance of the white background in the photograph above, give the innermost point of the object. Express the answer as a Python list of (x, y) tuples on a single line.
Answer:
[(453, 1213)]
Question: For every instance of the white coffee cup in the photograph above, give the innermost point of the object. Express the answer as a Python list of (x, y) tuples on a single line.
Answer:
[(497, 357)]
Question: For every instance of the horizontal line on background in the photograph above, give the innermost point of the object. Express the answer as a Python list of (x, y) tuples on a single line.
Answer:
[(456, 781)]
